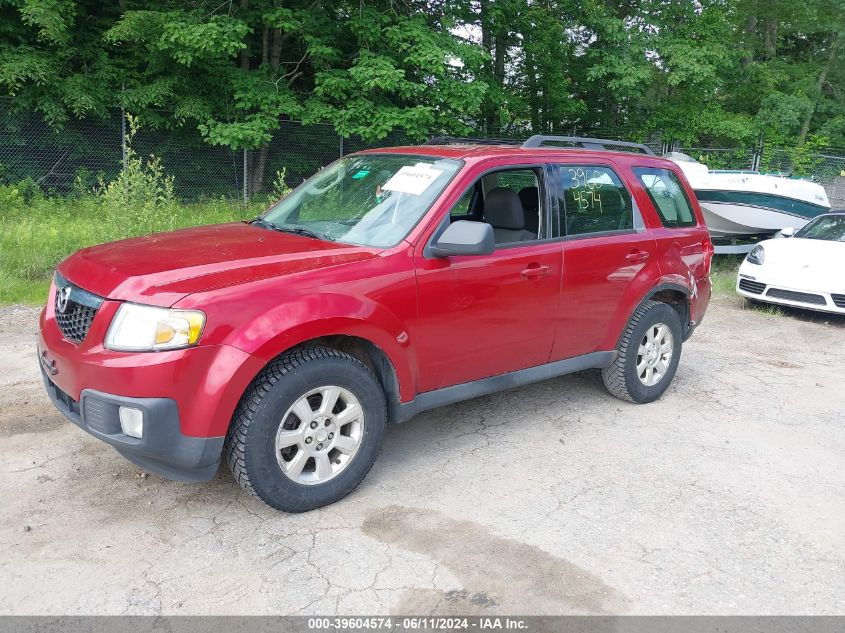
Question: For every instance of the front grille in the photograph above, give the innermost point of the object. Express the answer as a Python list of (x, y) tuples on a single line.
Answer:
[(75, 309), (839, 300), (791, 295), (754, 287), (70, 406)]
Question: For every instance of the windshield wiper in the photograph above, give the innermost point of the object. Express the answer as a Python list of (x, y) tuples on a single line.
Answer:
[(260, 222), (296, 230)]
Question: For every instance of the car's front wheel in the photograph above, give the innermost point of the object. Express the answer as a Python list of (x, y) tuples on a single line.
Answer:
[(647, 356), (308, 429)]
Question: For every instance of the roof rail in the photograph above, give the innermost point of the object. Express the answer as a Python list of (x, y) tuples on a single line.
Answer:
[(458, 140), (538, 140)]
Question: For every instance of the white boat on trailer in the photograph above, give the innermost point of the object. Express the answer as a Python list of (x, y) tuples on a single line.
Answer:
[(744, 207)]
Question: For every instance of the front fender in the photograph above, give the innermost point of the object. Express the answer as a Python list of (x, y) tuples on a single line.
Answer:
[(300, 319)]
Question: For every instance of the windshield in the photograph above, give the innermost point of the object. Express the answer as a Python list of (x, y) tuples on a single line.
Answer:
[(368, 200), (826, 227)]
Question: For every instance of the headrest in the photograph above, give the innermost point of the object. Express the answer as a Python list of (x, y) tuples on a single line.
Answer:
[(530, 198), (503, 210)]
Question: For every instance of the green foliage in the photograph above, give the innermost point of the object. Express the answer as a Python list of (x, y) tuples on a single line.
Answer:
[(798, 160), (780, 115), (36, 236), (141, 190), (280, 188), (805, 158), (710, 71), (52, 18), (731, 159)]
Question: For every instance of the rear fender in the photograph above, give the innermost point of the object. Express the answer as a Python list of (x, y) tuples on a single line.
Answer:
[(636, 296)]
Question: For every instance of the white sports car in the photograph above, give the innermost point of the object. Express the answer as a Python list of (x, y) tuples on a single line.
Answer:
[(806, 271)]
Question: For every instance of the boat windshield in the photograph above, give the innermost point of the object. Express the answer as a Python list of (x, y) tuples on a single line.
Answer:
[(367, 199), (680, 157), (825, 227)]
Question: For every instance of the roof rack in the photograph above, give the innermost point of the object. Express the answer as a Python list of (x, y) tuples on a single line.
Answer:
[(538, 140), (458, 140)]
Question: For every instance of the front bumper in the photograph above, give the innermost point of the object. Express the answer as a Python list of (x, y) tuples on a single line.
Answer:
[(162, 448), (753, 287), (188, 395)]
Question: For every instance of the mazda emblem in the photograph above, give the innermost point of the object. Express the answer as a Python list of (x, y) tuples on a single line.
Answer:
[(63, 298)]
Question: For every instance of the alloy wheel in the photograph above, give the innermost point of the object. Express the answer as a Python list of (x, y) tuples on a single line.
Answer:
[(319, 435), (654, 354)]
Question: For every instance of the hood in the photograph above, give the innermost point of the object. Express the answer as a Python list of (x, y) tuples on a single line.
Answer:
[(802, 264), (162, 268)]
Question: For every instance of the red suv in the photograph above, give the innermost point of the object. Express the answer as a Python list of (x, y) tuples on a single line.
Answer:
[(391, 282)]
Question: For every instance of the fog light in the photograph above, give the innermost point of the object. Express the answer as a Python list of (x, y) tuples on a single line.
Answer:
[(131, 421)]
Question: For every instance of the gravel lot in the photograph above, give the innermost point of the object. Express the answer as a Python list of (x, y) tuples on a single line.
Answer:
[(725, 497)]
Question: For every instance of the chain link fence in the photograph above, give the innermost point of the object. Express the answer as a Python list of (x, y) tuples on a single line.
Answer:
[(741, 158), (89, 151)]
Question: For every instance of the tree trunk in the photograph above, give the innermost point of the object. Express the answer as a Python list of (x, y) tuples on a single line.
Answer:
[(544, 111), (770, 38), (750, 28), (808, 118), (531, 73), (488, 109), (276, 49), (486, 32), (245, 51), (501, 40), (501, 53), (265, 45), (259, 167)]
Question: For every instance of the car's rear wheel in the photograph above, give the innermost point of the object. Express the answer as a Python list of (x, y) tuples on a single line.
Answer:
[(308, 429), (647, 356)]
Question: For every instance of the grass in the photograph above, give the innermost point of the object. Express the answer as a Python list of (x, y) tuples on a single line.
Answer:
[(723, 279), (723, 273), (38, 233)]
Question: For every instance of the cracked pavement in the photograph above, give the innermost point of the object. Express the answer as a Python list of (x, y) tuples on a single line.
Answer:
[(727, 496)]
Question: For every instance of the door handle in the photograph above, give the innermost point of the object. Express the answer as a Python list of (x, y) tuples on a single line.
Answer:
[(535, 271), (636, 256)]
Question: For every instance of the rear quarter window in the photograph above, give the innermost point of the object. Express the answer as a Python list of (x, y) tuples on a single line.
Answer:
[(667, 195)]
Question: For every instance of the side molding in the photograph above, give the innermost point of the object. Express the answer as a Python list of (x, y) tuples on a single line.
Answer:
[(404, 411)]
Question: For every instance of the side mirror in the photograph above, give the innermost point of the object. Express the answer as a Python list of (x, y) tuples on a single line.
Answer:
[(465, 238), (787, 232)]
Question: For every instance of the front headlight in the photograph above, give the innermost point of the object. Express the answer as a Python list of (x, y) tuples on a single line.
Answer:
[(139, 328), (756, 256)]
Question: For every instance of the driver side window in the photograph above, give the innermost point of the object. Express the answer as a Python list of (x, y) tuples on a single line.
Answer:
[(510, 200)]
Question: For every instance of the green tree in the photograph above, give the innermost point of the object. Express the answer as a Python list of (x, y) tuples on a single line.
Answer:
[(237, 70), (709, 71)]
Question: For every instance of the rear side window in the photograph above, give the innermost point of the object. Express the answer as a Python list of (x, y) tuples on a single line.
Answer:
[(594, 200), (667, 195)]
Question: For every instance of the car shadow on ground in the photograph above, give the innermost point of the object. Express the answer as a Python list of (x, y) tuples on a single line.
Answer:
[(801, 314)]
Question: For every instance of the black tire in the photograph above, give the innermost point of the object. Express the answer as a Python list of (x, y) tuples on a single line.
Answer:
[(621, 378), (250, 443)]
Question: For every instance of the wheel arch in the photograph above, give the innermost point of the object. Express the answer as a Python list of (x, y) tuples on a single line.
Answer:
[(392, 371), (371, 355), (672, 294), (678, 297)]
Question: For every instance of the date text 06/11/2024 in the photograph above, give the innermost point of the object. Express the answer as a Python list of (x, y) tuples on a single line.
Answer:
[(418, 623)]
